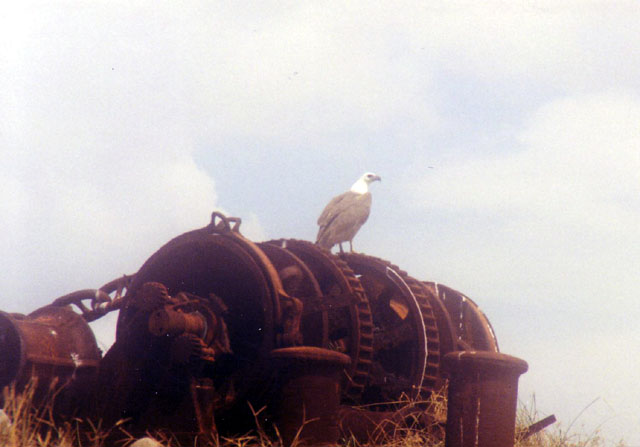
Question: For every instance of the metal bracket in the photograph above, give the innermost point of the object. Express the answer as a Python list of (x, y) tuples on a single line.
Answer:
[(222, 224)]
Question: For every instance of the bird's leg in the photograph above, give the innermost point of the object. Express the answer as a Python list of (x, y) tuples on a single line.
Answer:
[(340, 245), (351, 246)]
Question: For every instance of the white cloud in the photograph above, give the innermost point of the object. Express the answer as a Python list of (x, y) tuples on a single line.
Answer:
[(103, 107), (567, 199), (546, 235), (566, 45), (578, 162), (286, 75), (306, 71), (80, 225), (96, 151)]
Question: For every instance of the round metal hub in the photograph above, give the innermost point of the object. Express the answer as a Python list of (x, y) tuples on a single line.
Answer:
[(406, 339)]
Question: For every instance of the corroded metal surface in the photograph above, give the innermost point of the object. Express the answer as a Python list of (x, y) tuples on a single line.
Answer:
[(471, 327), (406, 340), (482, 398), (107, 298), (50, 342), (536, 427), (308, 392), (213, 325), (350, 325), (53, 346)]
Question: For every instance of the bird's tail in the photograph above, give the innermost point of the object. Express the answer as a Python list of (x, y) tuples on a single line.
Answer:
[(323, 240)]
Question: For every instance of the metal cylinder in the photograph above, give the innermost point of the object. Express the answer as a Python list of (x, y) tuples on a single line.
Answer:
[(54, 347), (167, 321), (482, 398), (310, 388)]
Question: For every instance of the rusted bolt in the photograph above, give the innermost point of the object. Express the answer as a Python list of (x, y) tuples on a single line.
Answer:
[(310, 392), (482, 398)]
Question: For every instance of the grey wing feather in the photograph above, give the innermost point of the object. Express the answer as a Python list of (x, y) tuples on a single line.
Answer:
[(334, 207), (343, 217)]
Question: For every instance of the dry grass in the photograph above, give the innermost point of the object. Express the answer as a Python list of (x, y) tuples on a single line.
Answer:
[(33, 426), (415, 428), (556, 435)]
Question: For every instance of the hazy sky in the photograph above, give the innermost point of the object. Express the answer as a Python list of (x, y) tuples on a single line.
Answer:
[(125, 124)]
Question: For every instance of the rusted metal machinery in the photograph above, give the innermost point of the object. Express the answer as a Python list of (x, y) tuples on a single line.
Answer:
[(216, 332)]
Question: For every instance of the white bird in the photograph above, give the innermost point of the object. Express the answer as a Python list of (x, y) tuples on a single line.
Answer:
[(345, 214)]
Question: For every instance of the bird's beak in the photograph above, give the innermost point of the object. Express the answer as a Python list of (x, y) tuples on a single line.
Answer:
[(378, 178)]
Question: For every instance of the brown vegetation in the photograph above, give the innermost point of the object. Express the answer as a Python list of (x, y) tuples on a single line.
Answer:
[(35, 426)]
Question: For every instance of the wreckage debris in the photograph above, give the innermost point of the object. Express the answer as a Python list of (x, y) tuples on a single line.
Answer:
[(214, 326)]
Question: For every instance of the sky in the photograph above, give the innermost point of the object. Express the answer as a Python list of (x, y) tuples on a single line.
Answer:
[(507, 135)]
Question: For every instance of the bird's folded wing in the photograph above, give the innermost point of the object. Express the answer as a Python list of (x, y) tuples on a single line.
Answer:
[(337, 205)]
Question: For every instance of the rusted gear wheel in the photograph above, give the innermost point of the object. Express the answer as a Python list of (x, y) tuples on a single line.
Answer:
[(406, 337), (214, 263), (472, 330), (350, 326), (299, 282)]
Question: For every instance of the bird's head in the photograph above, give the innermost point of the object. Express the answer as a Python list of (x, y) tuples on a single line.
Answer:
[(361, 186), (370, 177)]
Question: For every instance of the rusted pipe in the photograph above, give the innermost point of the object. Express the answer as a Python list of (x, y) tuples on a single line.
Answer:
[(536, 427), (167, 321), (50, 342), (55, 348), (310, 389), (482, 398)]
